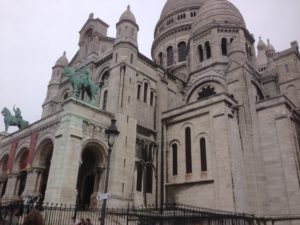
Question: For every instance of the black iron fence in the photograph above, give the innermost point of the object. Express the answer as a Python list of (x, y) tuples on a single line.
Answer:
[(172, 214)]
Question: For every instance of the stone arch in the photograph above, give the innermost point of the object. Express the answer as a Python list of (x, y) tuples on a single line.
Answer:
[(102, 81), (42, 164), (102, 73), (3, 173), (216, 81), (21, 159), (187, 124), (175, 141), (93, 159), (65, 94), (20, 168)]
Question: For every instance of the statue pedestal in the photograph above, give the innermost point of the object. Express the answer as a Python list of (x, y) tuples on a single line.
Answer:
[(3, 135)]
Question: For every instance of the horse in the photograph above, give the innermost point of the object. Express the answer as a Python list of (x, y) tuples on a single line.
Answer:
[(80, 81), (10, 120)]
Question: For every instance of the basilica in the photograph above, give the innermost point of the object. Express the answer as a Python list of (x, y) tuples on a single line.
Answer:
[(211, 120)]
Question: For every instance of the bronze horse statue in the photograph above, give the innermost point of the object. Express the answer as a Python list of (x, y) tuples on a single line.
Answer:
[(81, 82), (10, 120)]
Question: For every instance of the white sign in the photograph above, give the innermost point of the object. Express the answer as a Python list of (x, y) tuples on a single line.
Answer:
[(103, 196)]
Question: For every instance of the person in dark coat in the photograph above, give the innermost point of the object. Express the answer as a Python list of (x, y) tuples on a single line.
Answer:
[(34, 218)]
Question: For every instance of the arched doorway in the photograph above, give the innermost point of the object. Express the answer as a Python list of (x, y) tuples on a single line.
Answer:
[(3, 174), (42, 165), (89, 174), (22, 171)]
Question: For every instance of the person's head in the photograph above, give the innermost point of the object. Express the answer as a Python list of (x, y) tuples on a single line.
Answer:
[(74, 219), (88, 220), (34, 218)]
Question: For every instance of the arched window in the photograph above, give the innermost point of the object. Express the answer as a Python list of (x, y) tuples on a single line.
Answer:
[(175, 159), (181, 51), (188, 150), (104, 103), (170, 56), (224, 46), (131, 58), (66, 95), (151, 98), (145, 92), (208, 50), (203, 155), (149, 180), (139, 92), (201, 54), (160, 57), (139, 177)]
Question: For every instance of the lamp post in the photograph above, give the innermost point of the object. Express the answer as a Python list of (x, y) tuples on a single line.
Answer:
[(112, 133)]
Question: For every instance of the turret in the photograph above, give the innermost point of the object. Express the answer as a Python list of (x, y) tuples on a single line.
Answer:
[(261, 59), (89, 41), (127, 28), (52, 99), (236, 52), (270, 51)]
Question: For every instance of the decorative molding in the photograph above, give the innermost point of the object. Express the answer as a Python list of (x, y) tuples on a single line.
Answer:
[(145, 131), (93, 129)]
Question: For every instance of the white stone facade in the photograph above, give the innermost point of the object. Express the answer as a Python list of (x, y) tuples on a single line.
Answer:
[(206, 123)]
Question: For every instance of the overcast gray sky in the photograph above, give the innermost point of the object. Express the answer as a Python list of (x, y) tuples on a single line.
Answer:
[(34, 33)]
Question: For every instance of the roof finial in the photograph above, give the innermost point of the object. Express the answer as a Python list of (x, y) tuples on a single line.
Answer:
[(128, 7), (91, 16), (64, 53)]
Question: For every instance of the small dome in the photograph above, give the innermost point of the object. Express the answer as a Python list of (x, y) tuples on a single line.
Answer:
[(270, 47), (62, 61), (173, 5), (128, 15), (220, 12), (261, 45)]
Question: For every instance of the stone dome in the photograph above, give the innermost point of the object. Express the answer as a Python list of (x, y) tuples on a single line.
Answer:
[(128, 15), (270, 47), (261, 45), (62, 61), (173, 5), (221, 12)]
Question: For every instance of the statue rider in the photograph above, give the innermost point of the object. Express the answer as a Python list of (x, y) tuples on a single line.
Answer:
[(18, 114)]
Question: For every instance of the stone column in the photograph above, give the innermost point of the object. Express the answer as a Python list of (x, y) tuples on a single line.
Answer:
[(39, 174), (11, 188), (102, 179), (33, 182), (63, 172)]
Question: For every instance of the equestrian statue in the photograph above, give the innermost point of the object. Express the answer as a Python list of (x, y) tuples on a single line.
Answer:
[(81, 83), (16, 120)]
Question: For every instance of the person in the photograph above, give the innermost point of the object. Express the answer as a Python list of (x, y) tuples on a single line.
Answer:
[(74, 221), (82, 222), (88, 222), (18, 114), (34, 218), (38, 203), (26, 204)]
